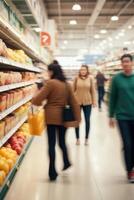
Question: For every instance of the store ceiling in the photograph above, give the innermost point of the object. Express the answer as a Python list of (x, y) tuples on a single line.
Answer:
[(90, 20), (22, 6)]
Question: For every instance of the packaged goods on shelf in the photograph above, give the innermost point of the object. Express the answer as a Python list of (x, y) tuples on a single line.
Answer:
[(7, 78), (10, 98), (3, 49), (18, 56), (15, 55), (12, 119)]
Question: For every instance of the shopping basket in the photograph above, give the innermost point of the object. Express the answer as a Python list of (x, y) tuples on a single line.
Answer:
[(36, 121)]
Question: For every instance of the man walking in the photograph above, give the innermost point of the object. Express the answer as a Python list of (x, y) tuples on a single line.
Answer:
[(121, 106)]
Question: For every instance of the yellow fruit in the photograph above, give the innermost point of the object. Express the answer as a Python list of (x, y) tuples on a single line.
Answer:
[(10, 163), (2, 177), (4, 166)]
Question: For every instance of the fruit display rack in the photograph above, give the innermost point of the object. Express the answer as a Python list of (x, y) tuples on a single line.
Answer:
[(12, 131), (14, 107), (10, 64), (11, 175), (17, 85)]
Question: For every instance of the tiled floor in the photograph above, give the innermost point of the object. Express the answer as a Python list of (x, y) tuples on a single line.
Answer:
[(97, 173)]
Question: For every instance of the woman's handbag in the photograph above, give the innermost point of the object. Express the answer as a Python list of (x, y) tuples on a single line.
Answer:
[(69, 119), (36, 122)]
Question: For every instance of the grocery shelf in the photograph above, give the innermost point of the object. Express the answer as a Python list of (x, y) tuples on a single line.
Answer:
[(12, 131), (14, 107), (11, 175), (17, 85), (15, 39), (4, 62)]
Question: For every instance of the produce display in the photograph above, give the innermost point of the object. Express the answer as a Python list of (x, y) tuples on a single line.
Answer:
[(15, 55), (10, 152), (10, 98), (14, 140), (15, 77)]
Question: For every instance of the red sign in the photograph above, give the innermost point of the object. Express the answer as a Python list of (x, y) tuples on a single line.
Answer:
[(45, 39)]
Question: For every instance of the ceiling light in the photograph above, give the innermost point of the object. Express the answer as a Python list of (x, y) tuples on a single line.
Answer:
[(127, 42), (130, 27), (121, 34), (133, 42), (76, 7), (72, 22), (37, 29), (65, 42), (96, 36), (103, 31), (123, 30), (114, 18), (117, 37)]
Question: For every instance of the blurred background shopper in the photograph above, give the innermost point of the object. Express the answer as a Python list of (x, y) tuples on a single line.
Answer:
[(100, 79), (121, 106), (84, 90), (54, 91)]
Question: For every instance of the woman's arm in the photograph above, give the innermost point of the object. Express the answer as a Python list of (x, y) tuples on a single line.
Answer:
[(42, 95)]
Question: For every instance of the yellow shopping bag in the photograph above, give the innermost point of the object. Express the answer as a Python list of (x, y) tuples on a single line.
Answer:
[(36, 122)]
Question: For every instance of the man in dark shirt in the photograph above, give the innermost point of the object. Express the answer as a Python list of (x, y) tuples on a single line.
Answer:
[(100, 87)]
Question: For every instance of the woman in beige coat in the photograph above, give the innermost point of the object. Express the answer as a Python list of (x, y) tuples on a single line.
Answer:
[(85, 93), (54, 91)]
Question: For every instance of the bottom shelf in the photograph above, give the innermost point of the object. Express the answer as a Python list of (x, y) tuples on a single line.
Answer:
[(11, 175)]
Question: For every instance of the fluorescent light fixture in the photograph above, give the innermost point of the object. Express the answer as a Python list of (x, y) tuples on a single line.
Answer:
[(72, 22), (37, 29), (117, 37), (130, 27), (76, 7), (114, 18), (65, 42), (121, 34), (96, 36), (127, 42), (103, 31)]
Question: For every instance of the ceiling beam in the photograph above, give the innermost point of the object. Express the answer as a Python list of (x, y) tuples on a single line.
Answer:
[(96, 12)]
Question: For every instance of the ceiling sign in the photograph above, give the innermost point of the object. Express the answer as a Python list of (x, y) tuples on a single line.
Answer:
[(45, 39)]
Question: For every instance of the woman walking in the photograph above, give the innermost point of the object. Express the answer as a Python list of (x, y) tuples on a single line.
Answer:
[(84, 90), (54, 91)]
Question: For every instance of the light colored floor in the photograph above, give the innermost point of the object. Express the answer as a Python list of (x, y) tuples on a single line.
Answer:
[(97, 173)]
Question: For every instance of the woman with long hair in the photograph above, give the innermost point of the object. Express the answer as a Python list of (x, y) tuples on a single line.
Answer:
[(54, 91), (84, 90)]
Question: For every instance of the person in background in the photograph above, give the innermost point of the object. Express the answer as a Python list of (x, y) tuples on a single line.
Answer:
[(100, 78), (84, 90), (121, 106), (55, 62), (54, 91)]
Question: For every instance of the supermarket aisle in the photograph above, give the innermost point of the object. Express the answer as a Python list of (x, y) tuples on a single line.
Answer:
[(96, 174)]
